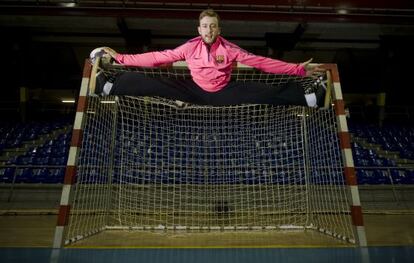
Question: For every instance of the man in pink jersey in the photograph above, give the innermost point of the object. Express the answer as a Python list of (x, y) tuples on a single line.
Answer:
[(210, 58)]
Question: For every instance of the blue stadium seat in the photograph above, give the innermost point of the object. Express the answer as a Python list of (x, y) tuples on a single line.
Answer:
[(409, 177), (57, 160), (24, 160), (40, 175), (375, 162), (13, 160), (56, 175), (41, 160), (60, 150), (407, 153), (398, 176), (6, 174), (380, 177), (389, 163), (14, 143), (30, 135), (45, 151), (361, 162), (33, 152), (363, 177), (24, 175)]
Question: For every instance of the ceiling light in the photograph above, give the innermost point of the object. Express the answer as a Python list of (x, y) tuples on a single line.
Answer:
[(342, 11), (68, 101), (67, 4), (107, 101)]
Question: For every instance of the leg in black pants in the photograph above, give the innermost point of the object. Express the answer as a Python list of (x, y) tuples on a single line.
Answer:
[(258, 93), (136, 84)]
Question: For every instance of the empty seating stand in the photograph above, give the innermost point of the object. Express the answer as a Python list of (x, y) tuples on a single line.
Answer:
[(383, 155), (34, 152), (45, 162)]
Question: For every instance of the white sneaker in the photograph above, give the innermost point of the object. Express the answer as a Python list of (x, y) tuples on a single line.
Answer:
[(97, 52)]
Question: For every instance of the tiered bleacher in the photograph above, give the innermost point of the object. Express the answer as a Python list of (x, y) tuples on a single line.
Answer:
[(34, 152), (383, 155)]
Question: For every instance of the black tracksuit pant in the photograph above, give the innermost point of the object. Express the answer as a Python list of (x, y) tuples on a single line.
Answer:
[(137, 84)]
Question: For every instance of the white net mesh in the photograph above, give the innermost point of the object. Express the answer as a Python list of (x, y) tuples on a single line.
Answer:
[(150, 164)]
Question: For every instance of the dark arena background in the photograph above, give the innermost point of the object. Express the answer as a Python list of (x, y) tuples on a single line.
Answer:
[(87, 178)]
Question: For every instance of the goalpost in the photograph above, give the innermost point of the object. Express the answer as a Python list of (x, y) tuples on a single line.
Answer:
[(153, 164)]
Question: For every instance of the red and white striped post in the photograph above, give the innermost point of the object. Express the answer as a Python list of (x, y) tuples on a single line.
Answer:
[(71, 166), (348, 161)]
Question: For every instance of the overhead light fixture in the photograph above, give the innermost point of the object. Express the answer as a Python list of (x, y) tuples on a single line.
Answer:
[(107, 101), (67, 4), (342, 11), (68, 101)]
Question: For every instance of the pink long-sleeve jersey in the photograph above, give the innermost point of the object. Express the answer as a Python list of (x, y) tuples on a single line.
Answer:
[(210, 66)]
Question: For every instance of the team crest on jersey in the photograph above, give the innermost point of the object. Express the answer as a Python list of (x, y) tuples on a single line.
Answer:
[(219, 58)]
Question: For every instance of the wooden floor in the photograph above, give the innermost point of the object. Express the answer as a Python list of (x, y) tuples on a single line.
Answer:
[(211, 240), (38, 230)]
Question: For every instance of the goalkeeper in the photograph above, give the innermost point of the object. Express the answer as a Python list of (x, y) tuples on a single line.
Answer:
[(209, 58)]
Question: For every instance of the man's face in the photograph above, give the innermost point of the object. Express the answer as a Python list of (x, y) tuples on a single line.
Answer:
[(209, 29)]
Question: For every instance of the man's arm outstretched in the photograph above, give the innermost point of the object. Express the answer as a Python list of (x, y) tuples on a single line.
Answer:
[(149, 59)]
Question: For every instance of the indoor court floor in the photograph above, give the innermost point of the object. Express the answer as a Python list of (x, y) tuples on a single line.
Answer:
[(28, 238)]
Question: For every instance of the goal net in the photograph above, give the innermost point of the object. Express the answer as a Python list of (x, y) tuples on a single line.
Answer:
[(153, 164)]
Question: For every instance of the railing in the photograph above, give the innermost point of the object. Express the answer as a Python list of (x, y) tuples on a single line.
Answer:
[(388, 194), (29, 195)]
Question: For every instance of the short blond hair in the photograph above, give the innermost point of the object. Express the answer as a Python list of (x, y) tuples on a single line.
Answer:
[(210, 13)]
